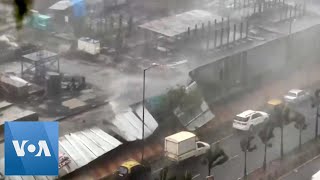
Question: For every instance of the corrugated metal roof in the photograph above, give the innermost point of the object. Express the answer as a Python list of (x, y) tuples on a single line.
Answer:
[(129, 124), (80, 148), (13, 80), (61, 5), (4, 104), (85, 146), (14, 113), (23, 177), (174, 25)]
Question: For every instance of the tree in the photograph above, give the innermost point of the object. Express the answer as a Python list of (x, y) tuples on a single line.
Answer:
[(163, 175), (215, 158), (265, 135), (21, 9), (284, 115), (300, 123), (246, 146), (279, 118), (315, 101)]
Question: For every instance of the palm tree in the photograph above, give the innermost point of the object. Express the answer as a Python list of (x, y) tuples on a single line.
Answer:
[(279, 118), (215, 158), (265, 135), (21, 9), (246, 146), (164, 175), (300, 124)]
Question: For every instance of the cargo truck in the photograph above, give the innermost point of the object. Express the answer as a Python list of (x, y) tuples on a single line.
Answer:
[(184, 145)]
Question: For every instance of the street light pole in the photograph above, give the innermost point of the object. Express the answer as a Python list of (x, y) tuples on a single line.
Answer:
[(317, 122), (143, 104), (144, 94)]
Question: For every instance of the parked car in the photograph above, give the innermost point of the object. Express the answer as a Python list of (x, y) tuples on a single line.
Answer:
[(132, 170), (246, 120), (296, 96), (184, 145)]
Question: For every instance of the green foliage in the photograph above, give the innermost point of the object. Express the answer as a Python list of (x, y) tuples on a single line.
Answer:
[(266, 132), (163, 107), (178, 97), (215, 158), (21, 9), (164, 175)]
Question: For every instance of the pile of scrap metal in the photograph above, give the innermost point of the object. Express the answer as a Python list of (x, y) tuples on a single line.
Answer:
[(73, 83), (13, 86)]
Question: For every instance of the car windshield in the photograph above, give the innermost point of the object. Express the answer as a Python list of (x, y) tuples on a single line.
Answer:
[(238, 118), (291, 94), (122, 170)]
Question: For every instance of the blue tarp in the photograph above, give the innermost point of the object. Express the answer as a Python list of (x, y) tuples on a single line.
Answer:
[(79, 8)]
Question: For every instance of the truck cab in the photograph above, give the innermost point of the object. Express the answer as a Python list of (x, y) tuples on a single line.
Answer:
[(202, 148)]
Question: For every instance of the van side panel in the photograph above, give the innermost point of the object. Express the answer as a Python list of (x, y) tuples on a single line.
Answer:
[(171, 147), (187, 146)]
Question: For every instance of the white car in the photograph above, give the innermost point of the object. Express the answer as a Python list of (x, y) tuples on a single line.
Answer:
[(248, 119), (295, 96)]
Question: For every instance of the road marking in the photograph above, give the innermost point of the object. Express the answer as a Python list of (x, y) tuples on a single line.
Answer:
[(157, 170), (234, 157), (285, 175), (194, 177), (222, 139)]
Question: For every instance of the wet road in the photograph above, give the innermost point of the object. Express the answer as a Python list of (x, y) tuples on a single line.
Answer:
[(234, 167)]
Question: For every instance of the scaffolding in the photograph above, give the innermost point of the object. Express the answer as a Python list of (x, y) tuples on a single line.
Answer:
[(39, 63)]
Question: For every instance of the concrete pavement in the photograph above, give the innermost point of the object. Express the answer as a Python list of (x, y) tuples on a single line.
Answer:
[(305, 171)]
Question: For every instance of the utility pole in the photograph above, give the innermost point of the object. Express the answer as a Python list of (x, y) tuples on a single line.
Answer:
[(144, 94), (315, 103)]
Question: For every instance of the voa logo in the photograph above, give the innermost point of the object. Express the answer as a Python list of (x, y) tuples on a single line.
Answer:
[(31, 148), (42, 144)]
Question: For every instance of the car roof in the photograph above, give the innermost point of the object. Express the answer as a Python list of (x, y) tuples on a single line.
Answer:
[(295, 90), (130, 164), (246, 113), (274, 102)]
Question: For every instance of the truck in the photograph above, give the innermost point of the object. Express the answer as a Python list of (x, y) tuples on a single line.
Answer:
[(184, 145)]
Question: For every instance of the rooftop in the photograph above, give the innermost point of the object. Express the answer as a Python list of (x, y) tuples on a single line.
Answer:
[(175, 25), (40, 55), (80, 148), (14, 113), (13, 80), (85, 146), (61, 5)]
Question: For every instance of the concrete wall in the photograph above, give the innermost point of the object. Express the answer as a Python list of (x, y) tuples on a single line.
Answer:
[(266, 58), (244, 69), (305, 46)]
